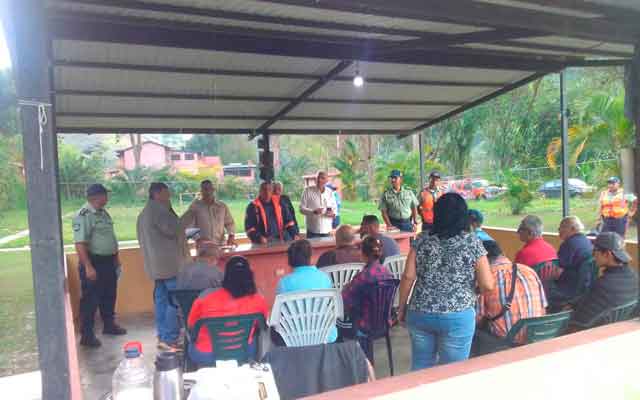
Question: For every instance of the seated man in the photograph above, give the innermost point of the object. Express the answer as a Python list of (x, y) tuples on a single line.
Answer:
[(266, 220), (475, 223), (370, 226), (305, 276), (203, 272), (238, 296), (535, 250), (345, 251), (574, 251), (528, 301), (617, 285)]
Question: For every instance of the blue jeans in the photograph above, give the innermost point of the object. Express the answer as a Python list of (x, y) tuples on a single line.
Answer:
[(166, 314), (440, 338), (404, 225)]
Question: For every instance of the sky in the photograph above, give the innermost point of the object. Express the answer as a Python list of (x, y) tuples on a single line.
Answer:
[(5, 60)]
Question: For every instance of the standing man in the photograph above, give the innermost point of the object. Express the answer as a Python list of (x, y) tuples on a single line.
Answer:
[(162, 248), (266, 220), (616, 208), (97, 249), (211, 216), (428, 198), (398, 205), (319, 207), (285, 200)]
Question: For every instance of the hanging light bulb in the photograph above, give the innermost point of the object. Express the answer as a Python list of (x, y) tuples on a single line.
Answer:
[(358, 80)]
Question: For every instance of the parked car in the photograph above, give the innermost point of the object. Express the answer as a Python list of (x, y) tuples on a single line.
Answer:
[(479, 188), (491, 192), (553, 188)]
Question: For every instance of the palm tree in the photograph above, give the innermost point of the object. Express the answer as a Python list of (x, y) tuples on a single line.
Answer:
[(347, 164), (601, 126)]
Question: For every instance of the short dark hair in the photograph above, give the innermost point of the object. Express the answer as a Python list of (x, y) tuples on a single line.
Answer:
[(372, 248), (157, 187), (206, 182), (370, 219), (493, 249), (450, 216), (299, 253), (238, 277)]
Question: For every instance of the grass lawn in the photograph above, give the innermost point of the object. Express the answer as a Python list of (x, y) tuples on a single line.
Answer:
[(17, 315)]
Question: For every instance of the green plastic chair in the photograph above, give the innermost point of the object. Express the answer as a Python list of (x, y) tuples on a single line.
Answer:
[(539, 328), (619, 313), (230, 335), (183, 300), (548, 270)]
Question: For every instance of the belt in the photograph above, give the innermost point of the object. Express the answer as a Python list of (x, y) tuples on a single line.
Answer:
[(101, 257)]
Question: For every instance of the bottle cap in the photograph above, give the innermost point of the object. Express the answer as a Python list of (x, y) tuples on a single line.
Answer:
[(132, 349), (167, 361)]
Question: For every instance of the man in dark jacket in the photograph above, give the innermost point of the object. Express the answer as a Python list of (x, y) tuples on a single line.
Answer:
[(266, 220), (285, 201), (617, 285)]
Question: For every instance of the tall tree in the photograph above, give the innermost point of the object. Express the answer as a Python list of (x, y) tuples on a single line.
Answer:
[(136, 144), (348, 165)]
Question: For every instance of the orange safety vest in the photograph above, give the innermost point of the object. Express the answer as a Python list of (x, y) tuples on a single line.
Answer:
[(263, 215), (613, 206), (427, 201)]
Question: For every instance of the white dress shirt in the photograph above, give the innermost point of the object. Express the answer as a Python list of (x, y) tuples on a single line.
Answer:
[(311, 200)]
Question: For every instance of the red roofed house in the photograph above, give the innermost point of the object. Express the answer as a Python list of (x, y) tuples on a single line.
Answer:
[(157, 156)]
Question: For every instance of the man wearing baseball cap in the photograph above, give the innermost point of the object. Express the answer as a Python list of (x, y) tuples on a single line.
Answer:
[(617, 285), (97, 249), (399, 205), (428, 197), (616, 207)]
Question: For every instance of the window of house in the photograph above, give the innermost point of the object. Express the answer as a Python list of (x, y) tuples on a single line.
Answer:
[(175, 157), (189, 156)]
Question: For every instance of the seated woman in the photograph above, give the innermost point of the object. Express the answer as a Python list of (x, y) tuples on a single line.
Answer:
[(238, 296), (353, 293)]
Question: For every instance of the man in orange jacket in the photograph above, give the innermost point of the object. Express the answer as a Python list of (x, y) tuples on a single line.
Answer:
[(616, 207), (266, 220), (428, 197)]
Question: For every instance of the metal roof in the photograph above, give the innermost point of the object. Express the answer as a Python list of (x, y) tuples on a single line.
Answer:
[(244, 66)]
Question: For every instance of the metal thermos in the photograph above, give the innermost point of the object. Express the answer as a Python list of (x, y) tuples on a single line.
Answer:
[(167, 380)]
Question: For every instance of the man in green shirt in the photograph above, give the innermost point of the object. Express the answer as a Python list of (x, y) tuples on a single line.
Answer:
[(399, 205), (97, 249)]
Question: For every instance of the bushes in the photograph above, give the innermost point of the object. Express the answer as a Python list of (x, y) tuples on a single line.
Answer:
[(518, 194), (12, 187)]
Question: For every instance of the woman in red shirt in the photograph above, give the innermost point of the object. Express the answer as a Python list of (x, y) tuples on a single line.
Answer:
[(238, 296)]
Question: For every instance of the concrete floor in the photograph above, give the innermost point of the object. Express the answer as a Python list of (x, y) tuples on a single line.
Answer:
[(97, 365)]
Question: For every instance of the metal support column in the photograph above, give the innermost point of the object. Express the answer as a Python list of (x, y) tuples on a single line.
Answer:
[(564, 144), (31, 64), (421, 152)]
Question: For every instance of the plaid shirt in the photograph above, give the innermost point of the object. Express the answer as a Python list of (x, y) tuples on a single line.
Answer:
[(352, 295), (528, 300)]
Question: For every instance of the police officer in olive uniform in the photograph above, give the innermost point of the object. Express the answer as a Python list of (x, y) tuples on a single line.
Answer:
[(97, 249)]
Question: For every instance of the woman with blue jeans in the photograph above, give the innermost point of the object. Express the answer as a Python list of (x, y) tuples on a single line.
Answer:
[(446, 266)]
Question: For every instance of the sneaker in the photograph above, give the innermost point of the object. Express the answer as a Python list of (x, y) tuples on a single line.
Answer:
[(113, 329), (90, 341), (170, 347)]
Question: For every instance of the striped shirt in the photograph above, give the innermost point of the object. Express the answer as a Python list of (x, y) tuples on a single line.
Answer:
[(528, 300), (616, 286)]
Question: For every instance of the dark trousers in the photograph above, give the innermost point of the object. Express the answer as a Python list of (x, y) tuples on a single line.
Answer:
[(617, 225), (404, 225), (100, 293), (311, 235)]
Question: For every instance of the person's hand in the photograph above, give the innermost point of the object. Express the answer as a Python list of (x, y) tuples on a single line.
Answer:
[(297, 237), (330, 214), (263, 240), (414, 226), (318, 211), (231, 241), (90, 273)]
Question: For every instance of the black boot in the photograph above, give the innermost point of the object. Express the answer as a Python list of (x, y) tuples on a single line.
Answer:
[(90, 340), (113, 329)]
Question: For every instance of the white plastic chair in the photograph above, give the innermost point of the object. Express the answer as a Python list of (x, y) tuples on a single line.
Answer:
[(395, 265), (306, 318), (341, 274)]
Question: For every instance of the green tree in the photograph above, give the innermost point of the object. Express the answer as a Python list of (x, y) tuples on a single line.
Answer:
[(408, 163), (77, 169), (230, 148), (348, 165)]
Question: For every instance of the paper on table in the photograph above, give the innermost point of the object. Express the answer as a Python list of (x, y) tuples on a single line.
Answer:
[(243, 383)]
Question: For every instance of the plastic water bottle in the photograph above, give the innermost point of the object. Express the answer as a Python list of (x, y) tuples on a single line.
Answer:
[(132, 380)]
